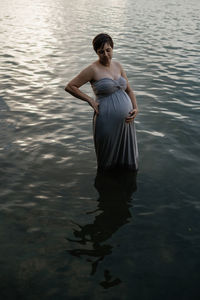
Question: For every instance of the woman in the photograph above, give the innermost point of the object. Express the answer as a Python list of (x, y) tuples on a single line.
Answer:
[(115, 107)]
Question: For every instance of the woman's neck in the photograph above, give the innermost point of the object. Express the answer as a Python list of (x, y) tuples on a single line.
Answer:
[(105, 64)]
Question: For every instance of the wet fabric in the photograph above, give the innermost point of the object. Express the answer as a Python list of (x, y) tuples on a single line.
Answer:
[(115, 140)]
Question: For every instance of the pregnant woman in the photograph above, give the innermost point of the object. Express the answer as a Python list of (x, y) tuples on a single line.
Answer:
[(115, 108)]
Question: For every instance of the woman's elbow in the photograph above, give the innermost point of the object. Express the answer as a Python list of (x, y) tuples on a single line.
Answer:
[(68, 88)]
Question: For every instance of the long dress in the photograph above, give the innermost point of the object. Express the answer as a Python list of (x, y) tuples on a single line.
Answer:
[(115, 140)]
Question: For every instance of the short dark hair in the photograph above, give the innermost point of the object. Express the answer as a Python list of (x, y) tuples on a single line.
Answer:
[(100, 40)]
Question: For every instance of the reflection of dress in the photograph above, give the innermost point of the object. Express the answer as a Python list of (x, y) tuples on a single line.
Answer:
[(115, 140), (94, 241)]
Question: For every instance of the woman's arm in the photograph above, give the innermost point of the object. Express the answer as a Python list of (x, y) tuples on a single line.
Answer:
[(73, 87), (131, 95)]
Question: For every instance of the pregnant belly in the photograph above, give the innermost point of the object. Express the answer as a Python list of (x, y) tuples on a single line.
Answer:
[(113, 111), (115, 106)]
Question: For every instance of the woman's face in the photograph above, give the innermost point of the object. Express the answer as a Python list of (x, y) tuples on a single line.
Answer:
[(105, 54)]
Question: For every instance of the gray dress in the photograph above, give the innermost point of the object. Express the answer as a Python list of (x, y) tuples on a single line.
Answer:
[(115, 140)]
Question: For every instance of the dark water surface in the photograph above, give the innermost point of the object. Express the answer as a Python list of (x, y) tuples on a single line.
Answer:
[(67, 232)]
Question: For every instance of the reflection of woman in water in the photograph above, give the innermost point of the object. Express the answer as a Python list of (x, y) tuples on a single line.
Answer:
[(115, 191), (115, 107)]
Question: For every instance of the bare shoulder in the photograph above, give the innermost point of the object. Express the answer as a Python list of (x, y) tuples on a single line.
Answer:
[(87, 72), (95, 70), (117, 65), (121, 69), (94, 67), (83, 77)]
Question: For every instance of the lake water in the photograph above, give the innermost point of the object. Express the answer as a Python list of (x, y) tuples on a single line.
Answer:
[(67, 232)]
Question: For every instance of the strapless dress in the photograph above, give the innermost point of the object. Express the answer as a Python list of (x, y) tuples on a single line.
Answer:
[(115, 140)]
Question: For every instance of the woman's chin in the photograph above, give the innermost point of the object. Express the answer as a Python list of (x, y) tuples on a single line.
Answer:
[(106, 61)]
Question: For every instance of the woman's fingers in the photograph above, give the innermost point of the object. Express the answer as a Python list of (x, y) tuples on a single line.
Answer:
[(132, 115), (95, 105)]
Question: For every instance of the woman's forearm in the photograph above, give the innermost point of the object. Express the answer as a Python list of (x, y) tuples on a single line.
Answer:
[(74, 91), (133, 99)]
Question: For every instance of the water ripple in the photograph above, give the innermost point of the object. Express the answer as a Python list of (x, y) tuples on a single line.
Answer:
[(47, 156)]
